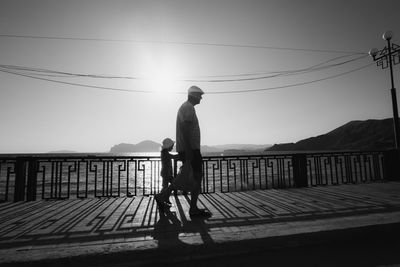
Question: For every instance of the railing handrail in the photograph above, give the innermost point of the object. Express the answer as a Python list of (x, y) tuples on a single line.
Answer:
[(205, 155), (221, 172)]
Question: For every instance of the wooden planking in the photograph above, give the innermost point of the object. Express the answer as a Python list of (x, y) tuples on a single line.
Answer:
[(44, 222)]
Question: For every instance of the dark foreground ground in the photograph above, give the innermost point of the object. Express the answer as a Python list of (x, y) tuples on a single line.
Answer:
[(346, 225)]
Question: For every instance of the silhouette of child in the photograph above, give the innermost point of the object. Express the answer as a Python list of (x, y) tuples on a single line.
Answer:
[(166, 172)]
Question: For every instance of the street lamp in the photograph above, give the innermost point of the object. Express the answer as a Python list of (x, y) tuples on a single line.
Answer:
[(386, 58)]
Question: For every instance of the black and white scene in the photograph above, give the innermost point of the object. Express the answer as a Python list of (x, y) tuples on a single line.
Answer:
[(199, 133)]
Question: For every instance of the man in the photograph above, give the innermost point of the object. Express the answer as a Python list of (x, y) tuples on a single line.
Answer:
[(188, 144)]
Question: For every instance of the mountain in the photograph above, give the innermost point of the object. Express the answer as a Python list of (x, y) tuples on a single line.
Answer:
[(241, 147), (233, 147), (355, 135), (144, 146), (150, 146), (62, 152)]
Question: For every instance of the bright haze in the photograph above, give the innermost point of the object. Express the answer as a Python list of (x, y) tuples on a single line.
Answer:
[(86, 75)]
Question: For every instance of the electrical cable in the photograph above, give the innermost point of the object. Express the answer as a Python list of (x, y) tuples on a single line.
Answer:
[(53, 73), (290, 85), (84, 85), (275, 72), (176, 92), (181, 43), (289, 73)]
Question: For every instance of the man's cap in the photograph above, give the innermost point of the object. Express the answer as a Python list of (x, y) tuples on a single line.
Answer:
[(167, 143), (194, 90)]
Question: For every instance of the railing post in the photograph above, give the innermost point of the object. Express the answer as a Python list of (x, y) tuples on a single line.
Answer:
[(391, 160), (20, 177), (32, 180), (175, 173), (299, 162), (175, 167)]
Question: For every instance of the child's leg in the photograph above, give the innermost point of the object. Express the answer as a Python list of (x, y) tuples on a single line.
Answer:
[(165, 181), (166, 189), (169, 189)]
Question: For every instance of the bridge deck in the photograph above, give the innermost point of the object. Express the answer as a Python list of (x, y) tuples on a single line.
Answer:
[(92, 230)]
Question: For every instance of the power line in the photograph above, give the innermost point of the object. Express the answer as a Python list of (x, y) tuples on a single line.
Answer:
[(180, 43), (54, 73), (278, 72), (290, 85), (85, 85), (283, 73), (176, 92)]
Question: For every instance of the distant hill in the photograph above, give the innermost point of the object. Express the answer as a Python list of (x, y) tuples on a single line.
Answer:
[(151, 146), (144, 146), (62, 152), (233, 147), (355, 135)]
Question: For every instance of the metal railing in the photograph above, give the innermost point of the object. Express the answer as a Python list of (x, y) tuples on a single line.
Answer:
[(347, 167), (61, 177), (238, 173)]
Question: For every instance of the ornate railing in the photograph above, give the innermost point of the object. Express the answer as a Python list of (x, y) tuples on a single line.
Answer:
[(238, 173), (61, 177), (347, 167)]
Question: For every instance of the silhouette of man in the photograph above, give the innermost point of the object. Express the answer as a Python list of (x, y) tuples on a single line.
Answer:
[(188, 144)]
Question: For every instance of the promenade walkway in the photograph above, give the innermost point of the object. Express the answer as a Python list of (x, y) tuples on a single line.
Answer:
[(274, 225)]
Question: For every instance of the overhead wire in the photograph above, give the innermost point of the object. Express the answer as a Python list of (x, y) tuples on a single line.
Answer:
[(290, 85), (279, 71), (83, 85), (179, 92), (180, 43), (278, 74), (53, 73), (41, 74)]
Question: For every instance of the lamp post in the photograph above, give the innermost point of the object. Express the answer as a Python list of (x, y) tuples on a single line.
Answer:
[(387, 57)]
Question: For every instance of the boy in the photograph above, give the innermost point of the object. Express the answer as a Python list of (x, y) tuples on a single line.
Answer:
[(166, 173)]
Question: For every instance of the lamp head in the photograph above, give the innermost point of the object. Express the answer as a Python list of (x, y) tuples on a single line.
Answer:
[(373, 52), (387, 35)]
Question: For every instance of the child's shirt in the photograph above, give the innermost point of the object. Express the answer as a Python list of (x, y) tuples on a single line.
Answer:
[(166, 163)]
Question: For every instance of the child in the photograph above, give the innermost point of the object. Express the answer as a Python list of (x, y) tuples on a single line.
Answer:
[(166, 172)]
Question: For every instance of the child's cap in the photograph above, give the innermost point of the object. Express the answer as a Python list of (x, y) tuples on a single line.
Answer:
[(167, 143)]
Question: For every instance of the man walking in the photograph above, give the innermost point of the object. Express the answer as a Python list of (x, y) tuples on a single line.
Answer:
[(188, 144)]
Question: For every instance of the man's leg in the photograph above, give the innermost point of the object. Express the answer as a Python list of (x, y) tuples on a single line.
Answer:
[(195, 192), (197, 165)]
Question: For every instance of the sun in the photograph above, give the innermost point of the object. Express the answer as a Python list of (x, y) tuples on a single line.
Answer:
[(164, 79), (161, 71)]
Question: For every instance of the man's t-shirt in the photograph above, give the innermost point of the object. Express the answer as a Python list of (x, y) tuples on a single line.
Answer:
[(187, 113)]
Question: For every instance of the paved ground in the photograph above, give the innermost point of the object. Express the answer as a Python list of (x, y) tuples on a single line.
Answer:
[(319, 226)]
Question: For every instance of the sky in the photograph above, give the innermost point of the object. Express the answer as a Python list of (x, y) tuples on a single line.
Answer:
[(87, 75)]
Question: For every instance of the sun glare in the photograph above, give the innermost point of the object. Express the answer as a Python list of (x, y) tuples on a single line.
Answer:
[(161, 70), (164, 79)]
